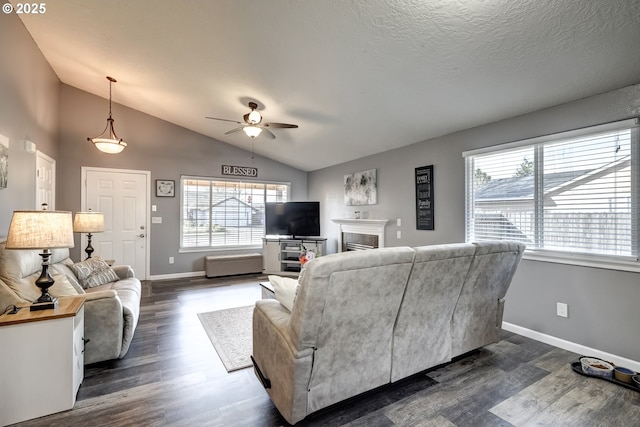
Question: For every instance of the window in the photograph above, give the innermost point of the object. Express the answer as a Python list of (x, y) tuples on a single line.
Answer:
[(225, 214), (572, 193)]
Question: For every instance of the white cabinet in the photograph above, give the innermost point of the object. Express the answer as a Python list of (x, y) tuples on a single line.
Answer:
[(282, 256), (270, 256), (42, 360)]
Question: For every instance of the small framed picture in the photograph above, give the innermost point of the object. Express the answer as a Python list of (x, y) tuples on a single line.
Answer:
[(165, 188)]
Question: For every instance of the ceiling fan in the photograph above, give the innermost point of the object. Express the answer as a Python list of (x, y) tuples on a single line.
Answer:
[(252, 125)]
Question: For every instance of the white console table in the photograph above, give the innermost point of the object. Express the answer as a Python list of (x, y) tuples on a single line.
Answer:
[(281, 255)]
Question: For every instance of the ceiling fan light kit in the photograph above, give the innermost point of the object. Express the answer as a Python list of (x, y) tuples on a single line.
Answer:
[(252, 125), (252, 131), (108, 142)]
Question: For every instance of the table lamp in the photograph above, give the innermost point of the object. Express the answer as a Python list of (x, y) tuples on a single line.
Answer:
[(44, 230), (88, 222)]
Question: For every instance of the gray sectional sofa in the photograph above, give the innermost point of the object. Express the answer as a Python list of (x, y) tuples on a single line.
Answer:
[(364, 319), (111, 309)]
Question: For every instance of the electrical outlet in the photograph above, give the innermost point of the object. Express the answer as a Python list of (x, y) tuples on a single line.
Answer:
[(399, 234), (171, 260), (562, 309), (399, 222)]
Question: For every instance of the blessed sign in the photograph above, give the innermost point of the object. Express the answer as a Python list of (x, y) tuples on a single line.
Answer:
[(239, 170)]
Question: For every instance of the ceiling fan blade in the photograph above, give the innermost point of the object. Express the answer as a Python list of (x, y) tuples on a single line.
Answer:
[(233, 130), (280, 125), (224, 120), (268, 133)]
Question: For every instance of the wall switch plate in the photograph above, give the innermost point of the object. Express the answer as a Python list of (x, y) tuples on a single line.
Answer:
[(399, 234), (171, 260), (154, 208), (156, 220), (562, 309), (399, 222)]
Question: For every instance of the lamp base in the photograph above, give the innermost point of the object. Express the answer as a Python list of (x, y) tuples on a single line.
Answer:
[(89, 249), (37, 306)]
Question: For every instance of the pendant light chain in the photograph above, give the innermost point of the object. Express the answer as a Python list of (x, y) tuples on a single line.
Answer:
[(110, 83)]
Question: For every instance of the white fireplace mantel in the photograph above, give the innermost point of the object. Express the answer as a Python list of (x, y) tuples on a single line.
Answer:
[(361, 226)]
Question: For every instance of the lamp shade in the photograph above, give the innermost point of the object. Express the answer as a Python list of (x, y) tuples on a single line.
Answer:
[(109, 146), (252, 131), (40, 230), (88, 222)]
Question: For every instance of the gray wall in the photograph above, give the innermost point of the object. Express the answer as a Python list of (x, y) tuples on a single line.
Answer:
[(29, 105), (603, 304), (34, 105), (167, 150)]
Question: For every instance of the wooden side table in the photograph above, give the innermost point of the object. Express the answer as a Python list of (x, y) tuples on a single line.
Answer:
[(42, 360)]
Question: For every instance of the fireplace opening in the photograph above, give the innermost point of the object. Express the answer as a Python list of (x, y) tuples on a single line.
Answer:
[(358, 234), (358, 241)]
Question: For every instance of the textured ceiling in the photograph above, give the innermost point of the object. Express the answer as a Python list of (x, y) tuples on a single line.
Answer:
[(358, 77)]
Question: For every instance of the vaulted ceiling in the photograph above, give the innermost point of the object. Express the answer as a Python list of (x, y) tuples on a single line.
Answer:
[(358, 76)]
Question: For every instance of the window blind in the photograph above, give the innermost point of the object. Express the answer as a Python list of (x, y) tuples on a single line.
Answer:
[(225, 214), (569, 193)]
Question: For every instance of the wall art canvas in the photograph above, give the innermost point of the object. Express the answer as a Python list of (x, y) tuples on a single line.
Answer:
[(360, 188), (165, 188), (424, 198), (4, 161)]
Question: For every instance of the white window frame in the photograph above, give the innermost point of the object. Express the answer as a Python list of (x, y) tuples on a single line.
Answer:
[(615, 262), (183, 178)]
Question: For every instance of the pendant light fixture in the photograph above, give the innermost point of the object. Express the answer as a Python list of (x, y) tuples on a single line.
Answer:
[(108, 142)]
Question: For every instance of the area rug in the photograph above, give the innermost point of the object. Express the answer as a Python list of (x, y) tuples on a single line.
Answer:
[(230, 332)]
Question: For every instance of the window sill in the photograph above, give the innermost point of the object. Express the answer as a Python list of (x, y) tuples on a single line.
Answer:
[(218, 249), (608, 263)]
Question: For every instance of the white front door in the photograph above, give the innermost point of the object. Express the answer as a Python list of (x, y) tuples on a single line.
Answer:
[(122, 195), (45, 181)]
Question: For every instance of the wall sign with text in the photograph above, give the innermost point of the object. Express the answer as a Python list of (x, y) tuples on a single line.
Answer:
[(239, 170), (424, 198)]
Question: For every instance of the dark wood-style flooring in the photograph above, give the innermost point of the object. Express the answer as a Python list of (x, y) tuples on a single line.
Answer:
[(172, 376)]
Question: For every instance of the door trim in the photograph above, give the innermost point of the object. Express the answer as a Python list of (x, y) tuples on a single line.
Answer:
[(41, 155), (83, 203)]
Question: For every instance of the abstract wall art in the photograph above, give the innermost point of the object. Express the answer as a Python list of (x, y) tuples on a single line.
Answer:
[(360, 188), (4, 161)]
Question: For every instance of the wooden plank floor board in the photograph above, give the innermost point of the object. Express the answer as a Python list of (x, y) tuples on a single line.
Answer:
[(574, 399), (172, 376)]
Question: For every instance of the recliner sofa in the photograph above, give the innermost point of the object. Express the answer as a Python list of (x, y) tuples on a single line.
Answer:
[(367, 318), (111, 309)]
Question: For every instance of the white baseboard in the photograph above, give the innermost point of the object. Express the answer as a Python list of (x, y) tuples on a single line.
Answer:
[(571, 346), (177, 275)]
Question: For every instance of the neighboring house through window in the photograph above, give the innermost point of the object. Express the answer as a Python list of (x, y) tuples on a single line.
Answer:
[(572, 194), (225, 214)]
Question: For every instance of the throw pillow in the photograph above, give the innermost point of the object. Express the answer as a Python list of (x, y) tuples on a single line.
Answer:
[(285, 289), (94, 272)]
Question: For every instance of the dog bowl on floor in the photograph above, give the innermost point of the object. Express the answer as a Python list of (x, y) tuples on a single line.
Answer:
[(597, 367), (623, 374)]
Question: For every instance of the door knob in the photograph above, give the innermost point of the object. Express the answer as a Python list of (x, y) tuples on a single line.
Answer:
[(140, 235)]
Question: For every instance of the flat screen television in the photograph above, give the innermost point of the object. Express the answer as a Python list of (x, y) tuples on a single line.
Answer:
[(295, 219)]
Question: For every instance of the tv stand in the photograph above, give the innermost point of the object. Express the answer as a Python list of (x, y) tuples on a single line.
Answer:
[(280, 255)]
